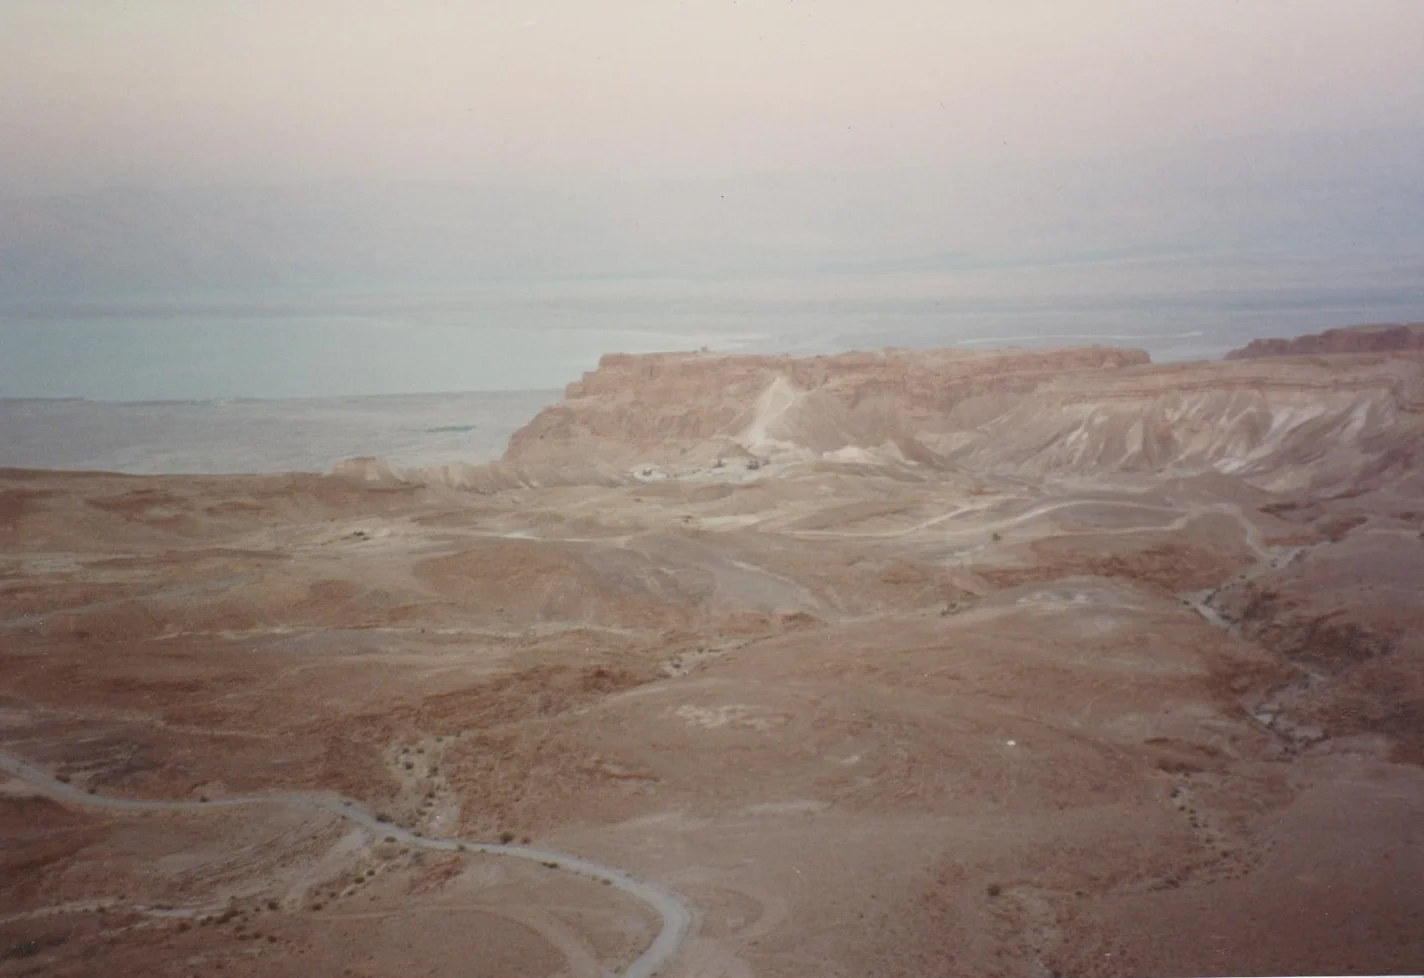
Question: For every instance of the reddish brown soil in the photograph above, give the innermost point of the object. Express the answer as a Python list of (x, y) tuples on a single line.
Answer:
[(868, 718)]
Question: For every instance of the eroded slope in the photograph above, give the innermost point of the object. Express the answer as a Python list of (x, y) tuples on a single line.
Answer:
[(984, 667)]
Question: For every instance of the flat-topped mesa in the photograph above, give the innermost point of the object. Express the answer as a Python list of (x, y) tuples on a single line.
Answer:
[(1298, 424), (1373, 338), (679, 409)]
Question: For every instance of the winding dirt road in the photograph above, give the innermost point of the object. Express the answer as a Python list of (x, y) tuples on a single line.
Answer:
[(675, 915)]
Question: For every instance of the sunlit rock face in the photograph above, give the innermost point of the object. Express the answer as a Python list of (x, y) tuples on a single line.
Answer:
[(890, 663), (1094, 411)]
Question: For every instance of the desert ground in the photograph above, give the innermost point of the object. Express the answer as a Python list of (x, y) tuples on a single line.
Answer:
[(885, 664)]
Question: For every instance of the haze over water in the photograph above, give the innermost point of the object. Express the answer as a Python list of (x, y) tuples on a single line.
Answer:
[(269, 348), (328, 199)]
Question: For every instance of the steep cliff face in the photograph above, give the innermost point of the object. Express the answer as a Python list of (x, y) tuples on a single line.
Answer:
[(1281, 424), (670, 407), (1383, 338)]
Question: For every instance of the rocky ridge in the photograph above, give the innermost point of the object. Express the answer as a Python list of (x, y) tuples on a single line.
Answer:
[(993, 661), (1371, 338), (1093, 411)]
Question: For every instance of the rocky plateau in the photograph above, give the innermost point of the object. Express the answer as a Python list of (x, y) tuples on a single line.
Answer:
[(891, 663)]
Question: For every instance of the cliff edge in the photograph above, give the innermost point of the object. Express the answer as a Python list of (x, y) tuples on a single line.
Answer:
[(1095, 411), (1374, 338)]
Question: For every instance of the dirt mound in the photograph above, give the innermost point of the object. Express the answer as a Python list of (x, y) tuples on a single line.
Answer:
[(528, 581), (485, 477)]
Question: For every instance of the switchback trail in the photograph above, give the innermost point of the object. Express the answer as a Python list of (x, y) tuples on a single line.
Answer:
[(675, 915)]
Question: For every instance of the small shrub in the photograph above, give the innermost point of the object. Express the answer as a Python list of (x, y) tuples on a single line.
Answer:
[(996, 537), (995, 889), (23, 949), (506, 837), (383, 817)]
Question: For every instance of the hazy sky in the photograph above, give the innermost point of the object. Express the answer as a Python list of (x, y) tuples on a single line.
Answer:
[(163, 93), (280, 196)]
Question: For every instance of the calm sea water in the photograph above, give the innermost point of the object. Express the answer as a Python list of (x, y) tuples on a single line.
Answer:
[(234, 383), (301, 434), (528, 337)]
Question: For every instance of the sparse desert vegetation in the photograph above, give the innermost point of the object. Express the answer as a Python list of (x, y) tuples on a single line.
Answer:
[(802, 693)]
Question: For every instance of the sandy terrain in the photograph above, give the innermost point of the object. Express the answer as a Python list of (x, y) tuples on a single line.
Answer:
[(881, 665)]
